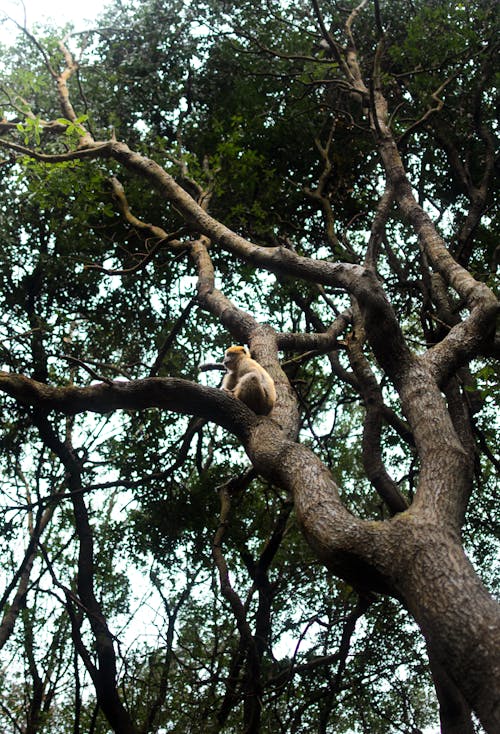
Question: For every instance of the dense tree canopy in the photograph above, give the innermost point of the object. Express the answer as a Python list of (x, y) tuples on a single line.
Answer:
[(314, 180)]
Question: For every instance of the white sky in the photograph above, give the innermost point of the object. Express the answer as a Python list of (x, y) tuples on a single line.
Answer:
[(80, 12)]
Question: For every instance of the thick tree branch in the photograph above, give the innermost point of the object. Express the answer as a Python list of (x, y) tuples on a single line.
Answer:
[(464, 339), (479, 298), (161, 392), (328, 526), (262, 340), (383, 329), (317, 343)]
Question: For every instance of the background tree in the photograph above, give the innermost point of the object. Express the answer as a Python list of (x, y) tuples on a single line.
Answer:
[(314, 181)]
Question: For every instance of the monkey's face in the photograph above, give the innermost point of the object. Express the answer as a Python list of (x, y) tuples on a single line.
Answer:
[(231, 360), (233, 355)]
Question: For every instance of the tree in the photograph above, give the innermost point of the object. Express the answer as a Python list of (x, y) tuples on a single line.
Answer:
[(333, 168)]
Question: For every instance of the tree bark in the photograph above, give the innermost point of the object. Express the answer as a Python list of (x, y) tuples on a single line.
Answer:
[(458, 618), (414, 557), (454, 711)]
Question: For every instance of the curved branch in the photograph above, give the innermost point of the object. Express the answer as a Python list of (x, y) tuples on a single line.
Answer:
[(439, 104), (382, 327), (240, 323), (347, 545), (89, 151), (169, 393), (157, 233), (317, 343), (467, 337), (372, 429)]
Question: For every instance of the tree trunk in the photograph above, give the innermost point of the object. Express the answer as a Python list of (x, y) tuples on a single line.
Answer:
[(414, 556), (458, 618)]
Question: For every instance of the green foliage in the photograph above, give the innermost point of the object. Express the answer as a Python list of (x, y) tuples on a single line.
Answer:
[(30, 130), (73, 129)]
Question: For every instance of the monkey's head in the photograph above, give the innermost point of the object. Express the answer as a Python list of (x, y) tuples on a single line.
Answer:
[(233, 355)]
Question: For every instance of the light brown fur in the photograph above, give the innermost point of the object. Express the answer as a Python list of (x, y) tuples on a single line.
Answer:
[(248, 381)]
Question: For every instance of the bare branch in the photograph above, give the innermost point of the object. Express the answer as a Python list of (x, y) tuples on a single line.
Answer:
[(88, 369), (372, 430), (430, 110)]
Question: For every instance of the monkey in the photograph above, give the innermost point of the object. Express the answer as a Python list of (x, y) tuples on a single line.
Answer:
[(248, 381)]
